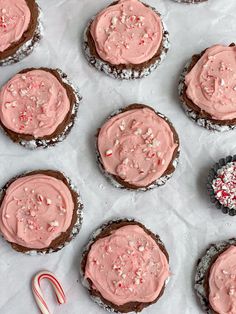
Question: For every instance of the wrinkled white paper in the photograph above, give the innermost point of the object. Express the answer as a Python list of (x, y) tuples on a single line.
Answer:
[(180, 212)]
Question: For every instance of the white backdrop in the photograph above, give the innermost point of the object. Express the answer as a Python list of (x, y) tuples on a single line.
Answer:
[(180, 212)]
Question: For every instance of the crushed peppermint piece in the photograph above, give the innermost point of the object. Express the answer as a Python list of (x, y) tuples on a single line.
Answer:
[(108, 153), (141, 248), (225, 272), (32, 213), (231, 291), (62, 209), (122, 125), (126, 161), (54, 223), (39, 197), (48, 201), (138, 131)]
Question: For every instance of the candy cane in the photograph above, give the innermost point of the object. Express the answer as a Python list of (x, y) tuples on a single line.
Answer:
[(38, 295)]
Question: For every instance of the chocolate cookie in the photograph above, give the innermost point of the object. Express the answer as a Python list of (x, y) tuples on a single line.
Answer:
[(221, 185), (131, 283), (45, 212), (38, 107), (207, 268), (137, 148), (140, 51), (207, 88), (20, 29)]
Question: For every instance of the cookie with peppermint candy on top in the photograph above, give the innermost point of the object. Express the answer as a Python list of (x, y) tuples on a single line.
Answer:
[(125, 266), (126, 40), (20, 29), (222, 185), (215, 278), (207, 88), (38, 107), (137, 148), (40, 212)]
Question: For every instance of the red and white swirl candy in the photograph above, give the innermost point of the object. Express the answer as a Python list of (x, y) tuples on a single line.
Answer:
[(38, 294)]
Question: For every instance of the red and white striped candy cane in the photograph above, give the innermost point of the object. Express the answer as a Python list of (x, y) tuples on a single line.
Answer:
[(39, 297)]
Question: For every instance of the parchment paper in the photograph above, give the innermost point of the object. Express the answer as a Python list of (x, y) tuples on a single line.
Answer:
[(180, 212)]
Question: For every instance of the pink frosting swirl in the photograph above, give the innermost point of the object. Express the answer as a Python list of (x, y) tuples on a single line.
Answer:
[(211, 84), (33, 103), (136, 145), (14, 21), (127, 266), (222, 282), (127, 33), (36, 209)]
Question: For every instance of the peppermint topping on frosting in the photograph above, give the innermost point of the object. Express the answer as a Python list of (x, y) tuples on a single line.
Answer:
[(136, 145), (127, 33), (33, 103), (127, 266), (222, 282), (36, 209), (14, 21), (211, 84), (224, 185)]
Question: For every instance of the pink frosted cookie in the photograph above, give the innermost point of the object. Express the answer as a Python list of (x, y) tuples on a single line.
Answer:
[(125, 266), (38, 107), (138, 148), (215, 278), (40, 212), (20, 29), (208, 88), (126, 40)]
